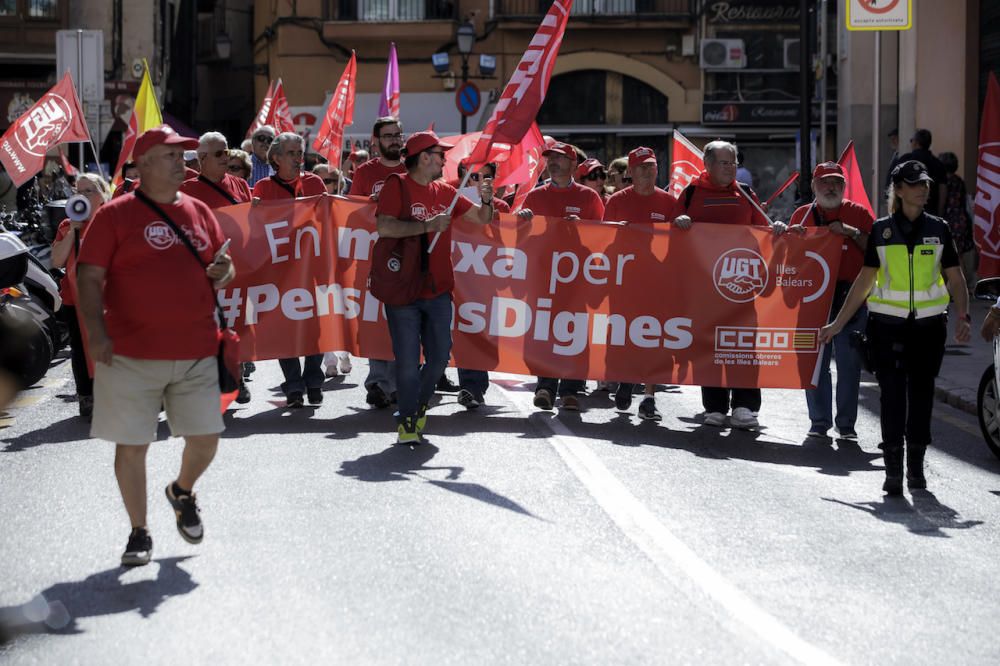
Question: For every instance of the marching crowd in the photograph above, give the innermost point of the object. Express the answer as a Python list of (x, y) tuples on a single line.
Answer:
[(157, 234)]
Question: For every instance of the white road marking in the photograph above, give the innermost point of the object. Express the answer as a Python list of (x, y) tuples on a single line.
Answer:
[(665, 549)]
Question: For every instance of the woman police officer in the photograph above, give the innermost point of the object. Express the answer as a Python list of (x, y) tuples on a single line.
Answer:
[(911, 267)]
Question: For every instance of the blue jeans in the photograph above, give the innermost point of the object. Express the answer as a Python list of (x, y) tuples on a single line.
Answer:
[(383, 374), (476, 381), (849, 363), (425, 323), (298, 379)]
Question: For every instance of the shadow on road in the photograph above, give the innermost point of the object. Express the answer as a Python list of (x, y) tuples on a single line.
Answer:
[(404, 463), (56, 609), (926, 516)]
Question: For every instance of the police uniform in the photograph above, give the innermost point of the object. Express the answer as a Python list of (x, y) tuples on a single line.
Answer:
[(907, 330)]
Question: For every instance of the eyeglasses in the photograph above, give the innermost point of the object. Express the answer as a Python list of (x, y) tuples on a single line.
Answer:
[(626, 179), (394, 135), (263, 138), (727, 163), (479, 176), (596, 175), (87, 193), (219, 153), (331, 181), (235, 168)]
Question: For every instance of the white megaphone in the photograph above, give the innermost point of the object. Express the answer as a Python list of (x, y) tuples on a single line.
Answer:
[(78, 208)]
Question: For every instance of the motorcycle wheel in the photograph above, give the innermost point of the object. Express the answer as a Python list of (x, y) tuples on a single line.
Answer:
[(988, 410), (28, 354)]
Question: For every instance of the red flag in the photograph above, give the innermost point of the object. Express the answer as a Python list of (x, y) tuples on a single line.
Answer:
[(68, 168), (281, 117), (339, 114), (55, 118), (855, 189), (525, 92), (987, 229), (514, 164), (265, 111), (687, 165)]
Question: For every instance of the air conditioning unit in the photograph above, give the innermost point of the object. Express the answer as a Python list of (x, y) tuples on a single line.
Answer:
[(791, 53), (723, 54)]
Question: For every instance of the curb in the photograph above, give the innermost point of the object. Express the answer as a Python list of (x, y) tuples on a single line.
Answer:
[(958, 397)]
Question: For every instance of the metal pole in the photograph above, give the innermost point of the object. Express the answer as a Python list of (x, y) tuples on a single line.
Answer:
[(876, 133), (79, 89), (822, 81), (805, 122), (465, 79)]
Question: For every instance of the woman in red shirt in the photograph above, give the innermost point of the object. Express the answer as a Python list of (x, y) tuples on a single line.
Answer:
[(65, 248)]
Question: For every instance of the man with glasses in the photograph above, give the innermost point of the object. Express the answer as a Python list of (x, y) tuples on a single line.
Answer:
[(424, 324), (387, 139), (288, 182), (564, 198), (260, 168)]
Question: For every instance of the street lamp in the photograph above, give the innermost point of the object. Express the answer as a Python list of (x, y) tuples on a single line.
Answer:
[(466, 37)]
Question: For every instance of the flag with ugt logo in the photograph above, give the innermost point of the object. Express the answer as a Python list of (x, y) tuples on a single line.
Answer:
[(987, 229), (55, 118)]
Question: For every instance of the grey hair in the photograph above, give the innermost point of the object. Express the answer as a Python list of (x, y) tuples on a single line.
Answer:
[(713, 147), (211, 137), (277, 146)]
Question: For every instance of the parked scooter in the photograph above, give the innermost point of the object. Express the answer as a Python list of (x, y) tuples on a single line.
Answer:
[(987, 402)]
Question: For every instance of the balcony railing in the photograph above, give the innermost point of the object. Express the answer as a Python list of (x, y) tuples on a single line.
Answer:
[(669, 9), (382, 11)]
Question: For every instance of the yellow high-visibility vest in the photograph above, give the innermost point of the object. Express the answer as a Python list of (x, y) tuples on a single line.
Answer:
[(909, 282)]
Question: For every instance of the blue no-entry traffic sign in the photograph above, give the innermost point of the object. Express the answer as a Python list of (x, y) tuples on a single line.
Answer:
[(468, 99)]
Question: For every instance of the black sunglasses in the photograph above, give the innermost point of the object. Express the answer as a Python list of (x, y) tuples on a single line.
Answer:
[(331, 181), (478, 176), (264, 138), (596, 175)]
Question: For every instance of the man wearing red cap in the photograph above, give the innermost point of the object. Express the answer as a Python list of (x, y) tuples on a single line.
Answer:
[(286, 154), (716, 196), (148, 305), (854, 223), (426, 322), (387, 140), (642, 203), (562, 197)]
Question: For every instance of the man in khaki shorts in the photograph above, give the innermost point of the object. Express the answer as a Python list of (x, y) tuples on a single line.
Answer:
[(149, 311)]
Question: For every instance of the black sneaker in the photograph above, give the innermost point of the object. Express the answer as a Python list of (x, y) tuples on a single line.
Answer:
[(294, 399), (468, 399), (623, 397), (248, 369), (445, 385), (315, 396), (543, 399), (376, 397), (86, 406), (647, 409), (139, 549), (243, 397), (188, 521)]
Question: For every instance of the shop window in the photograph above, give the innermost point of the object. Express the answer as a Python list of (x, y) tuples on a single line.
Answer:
[(8, 7), (642, 104), (43, 9), (575, 98)]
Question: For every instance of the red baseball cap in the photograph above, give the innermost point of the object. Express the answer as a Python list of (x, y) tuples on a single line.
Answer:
[(161, 135), (561, 149), (829, 169), (421, 141), (641, 155), (587, 166)]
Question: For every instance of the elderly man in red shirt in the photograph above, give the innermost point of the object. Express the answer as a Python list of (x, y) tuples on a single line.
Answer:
[(854, 223), (715, 196), (148, 305), (562, 197)]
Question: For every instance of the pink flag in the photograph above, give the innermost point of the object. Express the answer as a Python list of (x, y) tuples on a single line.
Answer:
[(855, 188), (687, 165), (265, 111), (55, 118), (388, 104), (339, 114), (525, 92), (987, 229)]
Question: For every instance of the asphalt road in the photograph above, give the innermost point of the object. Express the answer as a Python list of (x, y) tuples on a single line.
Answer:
[(512, 537)]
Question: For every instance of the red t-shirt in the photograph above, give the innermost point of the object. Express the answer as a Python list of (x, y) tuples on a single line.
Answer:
[(554, 201), (722, 205), (370, 176), (204, 190), (426, 201), (630, 206), (305, 185), (66, 291), (850, 213), (158, 302)]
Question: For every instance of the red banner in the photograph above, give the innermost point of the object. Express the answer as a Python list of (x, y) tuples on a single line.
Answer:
[(339, 114), (715, 305), (987, 229), (55, 118)]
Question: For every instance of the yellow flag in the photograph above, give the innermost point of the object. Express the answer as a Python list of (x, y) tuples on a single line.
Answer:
[(145, 115)]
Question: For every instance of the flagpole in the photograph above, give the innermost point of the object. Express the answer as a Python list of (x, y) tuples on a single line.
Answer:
[(465, 179)]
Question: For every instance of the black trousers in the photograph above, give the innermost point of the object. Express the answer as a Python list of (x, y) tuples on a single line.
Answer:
[(906, 355), (78, 359), (716, 399)]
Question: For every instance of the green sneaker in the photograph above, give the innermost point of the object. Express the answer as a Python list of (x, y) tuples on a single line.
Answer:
[(421, 419), (407, 432)]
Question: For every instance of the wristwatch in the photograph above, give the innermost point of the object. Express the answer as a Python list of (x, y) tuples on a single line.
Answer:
[(967, 317), (857, 234)]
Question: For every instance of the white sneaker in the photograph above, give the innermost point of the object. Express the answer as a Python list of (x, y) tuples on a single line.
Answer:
[(743, 418), (717, 419), (331, 371), (344, 365)]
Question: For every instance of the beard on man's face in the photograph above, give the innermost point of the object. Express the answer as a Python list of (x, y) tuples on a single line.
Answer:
[(391, 152)]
